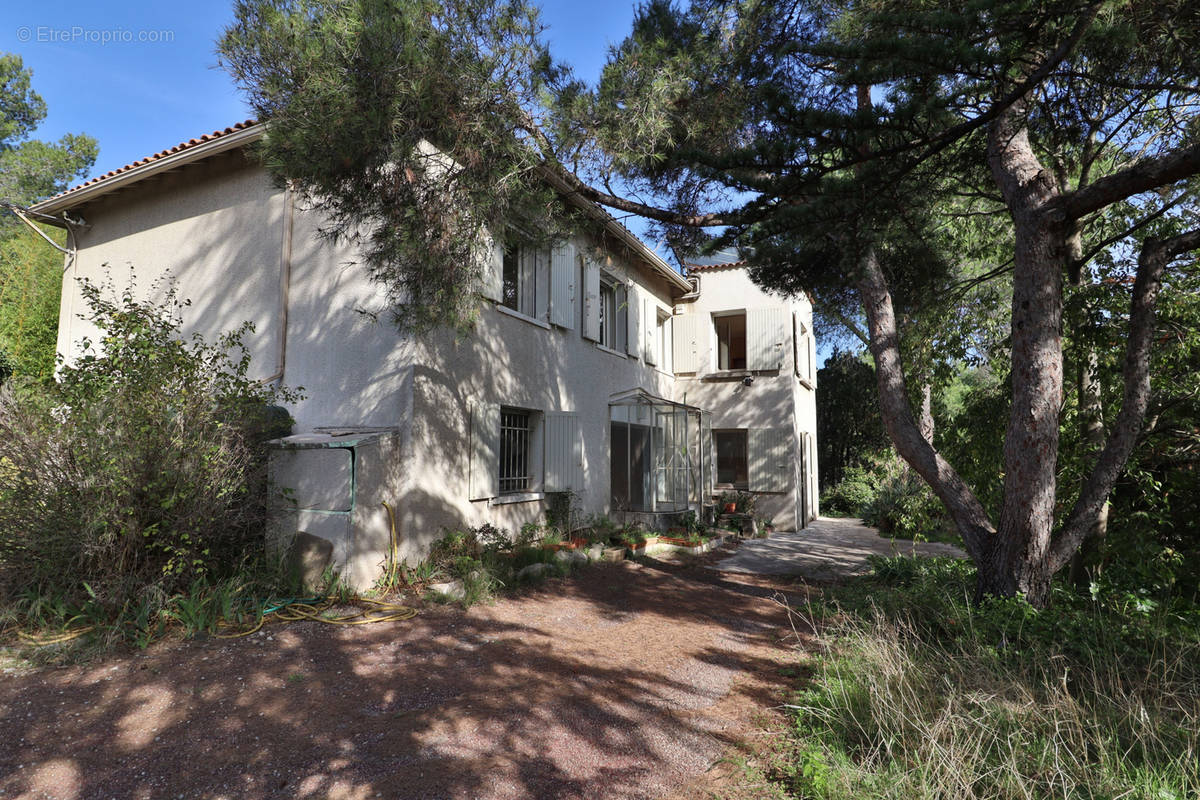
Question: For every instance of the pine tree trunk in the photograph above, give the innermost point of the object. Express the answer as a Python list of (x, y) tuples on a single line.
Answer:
[(1020, 562)]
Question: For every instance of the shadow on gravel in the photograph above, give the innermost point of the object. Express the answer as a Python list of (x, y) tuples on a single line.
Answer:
[(613, 684)]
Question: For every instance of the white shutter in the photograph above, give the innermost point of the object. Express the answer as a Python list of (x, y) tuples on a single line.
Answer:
[(634, 320), (485, 450), (564, 451), (668, 351), (540, 273), (620, 339), (811, 345), (562, 285), (690, 345), (493, 270), (766, 333), (707, 455), (768, 456), (797, 340), (650, 339), (591, 300)]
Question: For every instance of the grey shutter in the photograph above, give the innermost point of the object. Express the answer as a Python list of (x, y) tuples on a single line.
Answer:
[(766, 333), (541, 282), (768, 455), (689, 332), (485, 450), (493, 270), (564, 452), (707, 455), (634, 320), (650, 339), (810, 344), (591, 300), (668, 351), (620, 339), (797, 339), (562, 285)]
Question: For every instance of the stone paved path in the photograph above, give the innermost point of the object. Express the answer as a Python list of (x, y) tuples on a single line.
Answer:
[(828, 549)]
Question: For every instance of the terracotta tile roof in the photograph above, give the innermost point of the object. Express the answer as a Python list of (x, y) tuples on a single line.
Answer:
[(208, 137), (726, 265)]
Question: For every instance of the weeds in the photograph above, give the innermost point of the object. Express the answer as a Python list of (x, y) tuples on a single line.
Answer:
[(922, 695)]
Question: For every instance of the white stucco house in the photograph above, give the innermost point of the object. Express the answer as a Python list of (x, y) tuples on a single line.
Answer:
[(595, 367)]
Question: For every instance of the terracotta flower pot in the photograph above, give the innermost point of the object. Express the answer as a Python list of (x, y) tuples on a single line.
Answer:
[(730, 508)]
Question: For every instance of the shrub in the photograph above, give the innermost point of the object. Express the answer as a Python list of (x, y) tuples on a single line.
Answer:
[(139, 473), (854, 493), (905, 508)]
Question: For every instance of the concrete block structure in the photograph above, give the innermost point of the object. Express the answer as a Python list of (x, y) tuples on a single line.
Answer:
[(595, 366)]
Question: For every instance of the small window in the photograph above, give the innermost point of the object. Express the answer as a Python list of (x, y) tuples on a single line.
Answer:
[(733, 467), (520, 279), (608, 314), (514, 450), (731, 341)]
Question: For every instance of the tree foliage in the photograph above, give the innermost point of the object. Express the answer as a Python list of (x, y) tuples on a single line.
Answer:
[(30, 288), (31, 169), (30, 269), (849, 427)]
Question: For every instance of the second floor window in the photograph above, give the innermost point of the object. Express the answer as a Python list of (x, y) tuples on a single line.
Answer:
[(731, 341), (520, 279), (608, 314)]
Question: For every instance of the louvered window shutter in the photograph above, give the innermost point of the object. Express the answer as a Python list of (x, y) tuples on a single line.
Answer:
[(767, 451), (564, 452), (766, 334), (591, 300), (562, 285), (485, 450)]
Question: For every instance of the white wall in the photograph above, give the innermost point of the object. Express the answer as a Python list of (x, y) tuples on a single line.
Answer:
[(775, 399)]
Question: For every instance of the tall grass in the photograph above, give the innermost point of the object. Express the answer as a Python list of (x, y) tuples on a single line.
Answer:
[(920, 695)]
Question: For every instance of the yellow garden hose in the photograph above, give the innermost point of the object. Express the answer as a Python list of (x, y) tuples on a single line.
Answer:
[(367, 612)]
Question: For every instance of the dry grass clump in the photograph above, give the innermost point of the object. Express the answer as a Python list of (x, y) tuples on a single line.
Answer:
[(922, 696)]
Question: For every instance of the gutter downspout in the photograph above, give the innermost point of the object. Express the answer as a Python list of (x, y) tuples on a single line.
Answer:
[(694, 280), (66, 223), (285, 284)]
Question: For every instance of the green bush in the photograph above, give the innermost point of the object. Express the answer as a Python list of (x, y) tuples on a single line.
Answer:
[(854, 493), (905, 508), (138, 475)]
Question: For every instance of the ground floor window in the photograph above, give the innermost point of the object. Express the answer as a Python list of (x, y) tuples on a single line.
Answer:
[(733, 464), (514, 450)]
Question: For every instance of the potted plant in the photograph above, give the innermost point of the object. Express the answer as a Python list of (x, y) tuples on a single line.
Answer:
[(729, 502)]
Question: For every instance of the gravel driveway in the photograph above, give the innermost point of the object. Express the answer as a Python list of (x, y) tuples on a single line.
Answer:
[(625, 681)]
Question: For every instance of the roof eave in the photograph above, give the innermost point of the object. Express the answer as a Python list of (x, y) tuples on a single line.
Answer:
[(239, 138), (618, 230), (88, 192)]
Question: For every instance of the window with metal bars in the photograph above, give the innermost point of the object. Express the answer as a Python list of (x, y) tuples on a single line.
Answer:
[(514, 450)]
